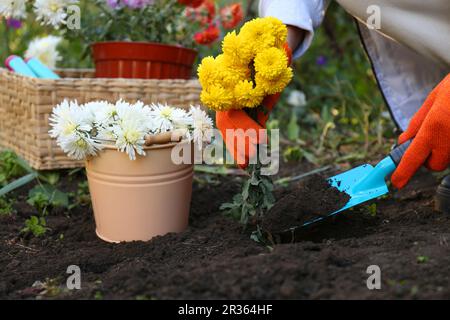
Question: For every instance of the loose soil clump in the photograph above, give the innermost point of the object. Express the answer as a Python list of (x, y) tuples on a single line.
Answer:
[(303, 203)]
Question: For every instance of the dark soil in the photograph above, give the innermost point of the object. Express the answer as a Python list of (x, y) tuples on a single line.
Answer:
[(214, 258), (303, 203)]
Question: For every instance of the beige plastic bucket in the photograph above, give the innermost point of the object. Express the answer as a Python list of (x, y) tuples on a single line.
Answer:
[(140, 199)]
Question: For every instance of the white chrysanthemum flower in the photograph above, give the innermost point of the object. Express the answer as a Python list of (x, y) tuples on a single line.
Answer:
[(71, 126), (80, 130), (45, 50), (96, 112), (52, 12), (131, 127), (67, 118), (167, 118), (202, 125), (13, 9), (103, 115), (79, 145), (130, 137), (137, 111)]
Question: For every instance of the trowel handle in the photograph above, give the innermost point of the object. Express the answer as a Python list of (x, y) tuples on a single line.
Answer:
[(398, 152)]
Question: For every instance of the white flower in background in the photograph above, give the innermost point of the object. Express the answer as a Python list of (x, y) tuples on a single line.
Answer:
[(202, 126), (296, 98), (13, 9), (167, 118), (45, 50), (52, 12)]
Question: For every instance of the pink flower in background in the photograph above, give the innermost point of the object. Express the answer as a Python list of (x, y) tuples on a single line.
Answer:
[(13, 23), (321, 61), (114, 4), (133, 4), (137, 4)]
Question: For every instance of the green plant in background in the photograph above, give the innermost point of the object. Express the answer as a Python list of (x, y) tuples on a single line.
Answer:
[(162, 22), (372, 209), (14, 166), (40, 201), (36, 226), (422, 259), (81, 197), (292, 153), (6, 206), (10, 167), (43, 197)]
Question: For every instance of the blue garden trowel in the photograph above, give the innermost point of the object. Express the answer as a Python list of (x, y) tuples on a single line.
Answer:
[(366, 182)]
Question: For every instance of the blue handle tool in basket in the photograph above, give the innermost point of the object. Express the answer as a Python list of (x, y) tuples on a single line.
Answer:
[(31, 68), (17, 65)]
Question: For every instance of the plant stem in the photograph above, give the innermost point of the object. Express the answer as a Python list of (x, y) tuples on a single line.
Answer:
[(6, 40)]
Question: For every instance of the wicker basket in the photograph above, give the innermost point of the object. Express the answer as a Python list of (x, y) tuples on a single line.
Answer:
[(26, 104)]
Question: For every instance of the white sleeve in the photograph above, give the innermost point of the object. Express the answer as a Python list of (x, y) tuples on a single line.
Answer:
[(304, 14)]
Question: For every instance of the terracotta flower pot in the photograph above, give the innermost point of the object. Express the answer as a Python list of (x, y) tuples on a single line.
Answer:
[(140, 199), (144, 60)]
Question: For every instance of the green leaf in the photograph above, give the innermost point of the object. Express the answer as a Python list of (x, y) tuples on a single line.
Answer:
[(50, 177), (310, 157), (56, 197), (24, 165), (227, 205), (35, 225), (293, 129), (18, 183), (245, 189)]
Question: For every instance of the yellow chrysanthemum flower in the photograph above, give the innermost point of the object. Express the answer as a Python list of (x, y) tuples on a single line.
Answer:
[(228, 74), (239, 53), (271, 63), (255, 55), (279, 30), (276, 85), (246, 96), (259, 33), (207, 72), (217, 97)]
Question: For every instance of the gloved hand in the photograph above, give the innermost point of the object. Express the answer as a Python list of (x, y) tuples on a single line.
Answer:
[(430, 128), (233, 125), (233, 120)]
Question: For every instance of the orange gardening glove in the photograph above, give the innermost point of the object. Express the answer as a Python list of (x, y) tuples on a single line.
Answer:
[(232, 120), (233, 125), (430, 128)]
